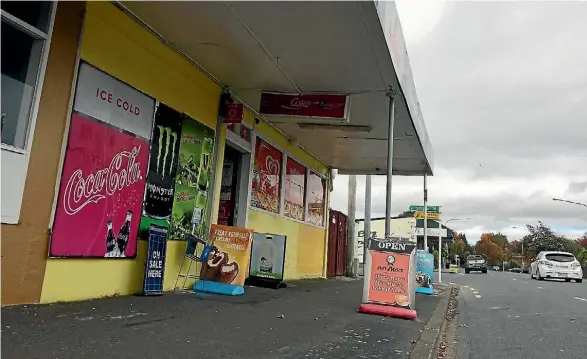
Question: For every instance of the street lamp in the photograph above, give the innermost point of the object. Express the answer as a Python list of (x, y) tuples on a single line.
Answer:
[(440, 246), (571, 202)]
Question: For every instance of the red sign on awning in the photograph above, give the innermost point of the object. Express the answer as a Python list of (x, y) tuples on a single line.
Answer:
[(311, 105), (230, 111)]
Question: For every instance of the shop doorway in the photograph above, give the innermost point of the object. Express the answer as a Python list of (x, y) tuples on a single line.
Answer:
[(337, 244), (234, 186)]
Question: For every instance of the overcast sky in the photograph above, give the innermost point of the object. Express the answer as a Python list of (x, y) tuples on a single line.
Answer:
[(503, 91)]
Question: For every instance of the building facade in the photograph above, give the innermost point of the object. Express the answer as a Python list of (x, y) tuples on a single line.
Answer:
[(90, 131)]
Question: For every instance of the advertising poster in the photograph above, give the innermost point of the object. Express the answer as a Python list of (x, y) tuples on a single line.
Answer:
[(424, 272), (163, 161), (316, 186), (266, 177), (229, 258), (101, 192), (155, 265), (389, 279), (267, 256), (192, 182), (295, 187)]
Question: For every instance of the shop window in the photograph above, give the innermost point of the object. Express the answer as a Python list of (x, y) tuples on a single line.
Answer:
[(266, 187), (24, 33), (316, 199), (295, 189)]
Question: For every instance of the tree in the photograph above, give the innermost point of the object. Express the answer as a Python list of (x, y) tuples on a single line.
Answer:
[(456, 248), (583, 240), (498, 238), (582, 256), (542, 238), (491, 250)]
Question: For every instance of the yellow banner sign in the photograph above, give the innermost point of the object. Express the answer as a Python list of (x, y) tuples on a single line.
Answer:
[(229, 259), (430, 215)]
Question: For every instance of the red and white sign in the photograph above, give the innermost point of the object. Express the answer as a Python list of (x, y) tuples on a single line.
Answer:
[(103, 181), (327, 106)]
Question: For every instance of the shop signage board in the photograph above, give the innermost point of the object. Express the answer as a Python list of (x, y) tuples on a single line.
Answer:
[(267, 259), (320, 106), (390, 276), (416, 208), (104, 171), (429, 215), (109, 100), (155, 264), (192, 183), (230, 111), (164, 156), (432, 232), (424, 272), (229, 257)]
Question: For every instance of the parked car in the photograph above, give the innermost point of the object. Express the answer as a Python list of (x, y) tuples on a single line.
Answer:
[(496, 268), (552, 264), (526, 269)]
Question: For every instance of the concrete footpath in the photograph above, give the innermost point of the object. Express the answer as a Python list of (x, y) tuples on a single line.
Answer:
[(309, 319)]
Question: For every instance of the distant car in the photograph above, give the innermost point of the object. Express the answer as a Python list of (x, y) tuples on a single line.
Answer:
[(561, 265), (496, 268), (475, 263), (453, 268), (525, 269), (514, 270)]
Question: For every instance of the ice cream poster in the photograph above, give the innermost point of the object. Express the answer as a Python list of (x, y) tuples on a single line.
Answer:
[(228, 261), (100, 193)]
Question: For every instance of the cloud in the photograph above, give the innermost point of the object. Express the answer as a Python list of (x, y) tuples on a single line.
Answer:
[(503, 90)]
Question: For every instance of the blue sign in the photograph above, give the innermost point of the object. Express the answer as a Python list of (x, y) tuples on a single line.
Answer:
[(155, 266), (424, 272)]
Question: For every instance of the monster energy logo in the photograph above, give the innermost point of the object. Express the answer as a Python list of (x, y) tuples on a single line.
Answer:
[(169, 134)]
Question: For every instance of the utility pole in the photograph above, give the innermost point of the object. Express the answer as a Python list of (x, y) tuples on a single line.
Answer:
[(352, 208)]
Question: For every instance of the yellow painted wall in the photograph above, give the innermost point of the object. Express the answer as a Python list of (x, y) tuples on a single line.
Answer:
[(117, 45), (120, 47)]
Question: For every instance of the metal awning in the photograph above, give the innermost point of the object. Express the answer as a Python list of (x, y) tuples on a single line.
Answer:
[(308, 47)]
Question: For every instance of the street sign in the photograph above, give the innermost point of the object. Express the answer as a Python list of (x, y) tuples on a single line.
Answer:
[(416, 208), (432, 232), (430, 215)]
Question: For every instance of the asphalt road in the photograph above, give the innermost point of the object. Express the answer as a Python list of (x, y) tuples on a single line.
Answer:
[(308, 320), (509, 315)]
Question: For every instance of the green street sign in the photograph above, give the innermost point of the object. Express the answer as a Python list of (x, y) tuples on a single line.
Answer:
[(415, 208)]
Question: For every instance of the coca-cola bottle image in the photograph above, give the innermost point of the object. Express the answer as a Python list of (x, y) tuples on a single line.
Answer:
[(123, 234), (110, 240)]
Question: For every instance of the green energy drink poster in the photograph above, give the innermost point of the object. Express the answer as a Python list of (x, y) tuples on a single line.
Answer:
[(192, 183), (164, 156)]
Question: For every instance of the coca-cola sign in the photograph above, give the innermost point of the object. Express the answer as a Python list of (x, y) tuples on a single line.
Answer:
[(328, 106), (101, 192), (81, 191)]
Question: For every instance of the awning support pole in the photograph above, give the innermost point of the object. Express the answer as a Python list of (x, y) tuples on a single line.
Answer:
[(351, 233), (367, 222), (425, 213), (389, 166)]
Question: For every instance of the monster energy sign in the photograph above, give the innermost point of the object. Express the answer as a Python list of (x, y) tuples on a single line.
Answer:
[(163, 163)]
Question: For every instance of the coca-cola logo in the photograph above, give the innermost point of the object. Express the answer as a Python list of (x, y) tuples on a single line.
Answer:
[(297, 103), (81, 191)]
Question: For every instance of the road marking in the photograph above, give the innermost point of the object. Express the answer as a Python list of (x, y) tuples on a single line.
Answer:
[(473, 289), (579, 298), (477, 296), (540, 287), (514, 279), (466, 286)]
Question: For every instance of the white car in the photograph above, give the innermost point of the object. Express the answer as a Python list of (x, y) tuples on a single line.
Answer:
[(560, 265)]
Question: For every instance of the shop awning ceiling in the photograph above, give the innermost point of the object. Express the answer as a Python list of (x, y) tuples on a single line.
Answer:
[(296, 46)]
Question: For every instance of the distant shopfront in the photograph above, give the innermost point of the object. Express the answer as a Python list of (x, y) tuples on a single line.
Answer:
[(142, 145)]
